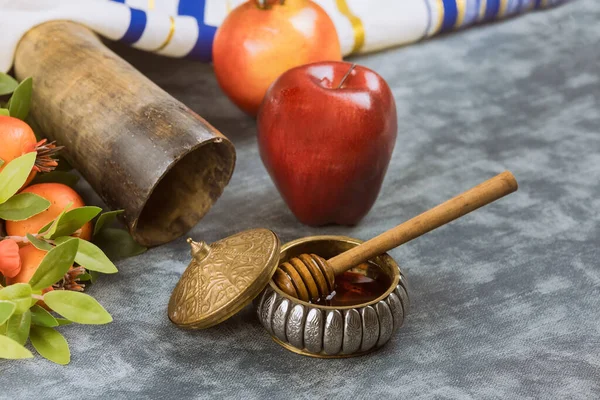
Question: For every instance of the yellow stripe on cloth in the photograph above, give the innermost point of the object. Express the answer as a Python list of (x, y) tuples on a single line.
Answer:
[(502, 11), (169, 36), (482, 10), (357, 25), (460, 16), (150, 4), (439, 4)]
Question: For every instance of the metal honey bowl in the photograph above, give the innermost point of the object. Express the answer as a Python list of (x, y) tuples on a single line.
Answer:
[(333, 331)]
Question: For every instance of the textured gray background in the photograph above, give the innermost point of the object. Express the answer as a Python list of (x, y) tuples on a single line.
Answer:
[(505, 301)]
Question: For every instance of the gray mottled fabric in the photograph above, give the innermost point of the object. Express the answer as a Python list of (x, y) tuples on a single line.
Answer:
[(505, 301)]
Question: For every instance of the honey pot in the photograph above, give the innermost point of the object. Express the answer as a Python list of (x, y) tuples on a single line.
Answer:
[(366, 314), (321, 296)]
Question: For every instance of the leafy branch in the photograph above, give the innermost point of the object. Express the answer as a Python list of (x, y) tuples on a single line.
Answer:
[(53, 296)]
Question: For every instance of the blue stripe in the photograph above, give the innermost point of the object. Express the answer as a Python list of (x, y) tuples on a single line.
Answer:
[(203, 48), (450, 15), (538, 3), (492, 9), (193, 8), (119, 1), (137, 24)]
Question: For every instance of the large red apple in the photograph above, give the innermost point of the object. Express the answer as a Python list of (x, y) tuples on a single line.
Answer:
[(326, 133), (257, 43)]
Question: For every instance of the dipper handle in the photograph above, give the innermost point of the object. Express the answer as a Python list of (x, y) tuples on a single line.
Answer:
[(478, 196)]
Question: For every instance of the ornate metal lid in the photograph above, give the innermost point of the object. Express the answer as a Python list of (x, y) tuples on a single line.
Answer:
[(223, 278)]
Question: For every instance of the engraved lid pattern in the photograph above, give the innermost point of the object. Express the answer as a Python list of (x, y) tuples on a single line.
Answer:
[(223, 278)]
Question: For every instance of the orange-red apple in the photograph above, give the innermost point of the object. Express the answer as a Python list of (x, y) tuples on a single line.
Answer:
[(255, 44)]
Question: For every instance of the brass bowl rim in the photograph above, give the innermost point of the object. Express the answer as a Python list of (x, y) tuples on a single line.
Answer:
[(395, 276)]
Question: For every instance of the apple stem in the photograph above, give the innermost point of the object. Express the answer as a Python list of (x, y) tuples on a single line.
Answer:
[(263, 5), (346, 76)]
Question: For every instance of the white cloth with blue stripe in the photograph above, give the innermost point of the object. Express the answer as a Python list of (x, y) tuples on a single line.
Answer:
[(185, 28)]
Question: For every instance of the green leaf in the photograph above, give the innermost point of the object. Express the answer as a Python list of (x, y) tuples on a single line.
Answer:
[(41, 317), (7, 308), (20, 294), (63, 321), (39, 243), (64, 239), (8, 84), (117, 244), (73, 220), (50, 344), (77, 307), (21, 100), (63, 177), (17, 327), (44, 229), (51, 226), (23, 206), (4, 112), (54, 265), (93, 276), (106, 219), (85, 277), (93, 259), (14, 175), (12, 350)]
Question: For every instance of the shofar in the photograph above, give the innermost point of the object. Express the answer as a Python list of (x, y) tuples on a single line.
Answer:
[(138, 147)]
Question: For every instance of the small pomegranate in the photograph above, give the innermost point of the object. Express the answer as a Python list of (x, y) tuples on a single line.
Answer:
[(261, 39), (17, 139), (10, 261), (31, 257), (59, 196)]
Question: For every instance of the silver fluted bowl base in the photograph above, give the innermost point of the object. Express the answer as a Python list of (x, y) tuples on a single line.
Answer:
[(333, 332)]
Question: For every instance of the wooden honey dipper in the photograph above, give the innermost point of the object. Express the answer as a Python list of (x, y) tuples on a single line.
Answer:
[(310, 277)]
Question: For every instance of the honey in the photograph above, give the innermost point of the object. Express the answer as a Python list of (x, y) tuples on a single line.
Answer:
[(361, 284)]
